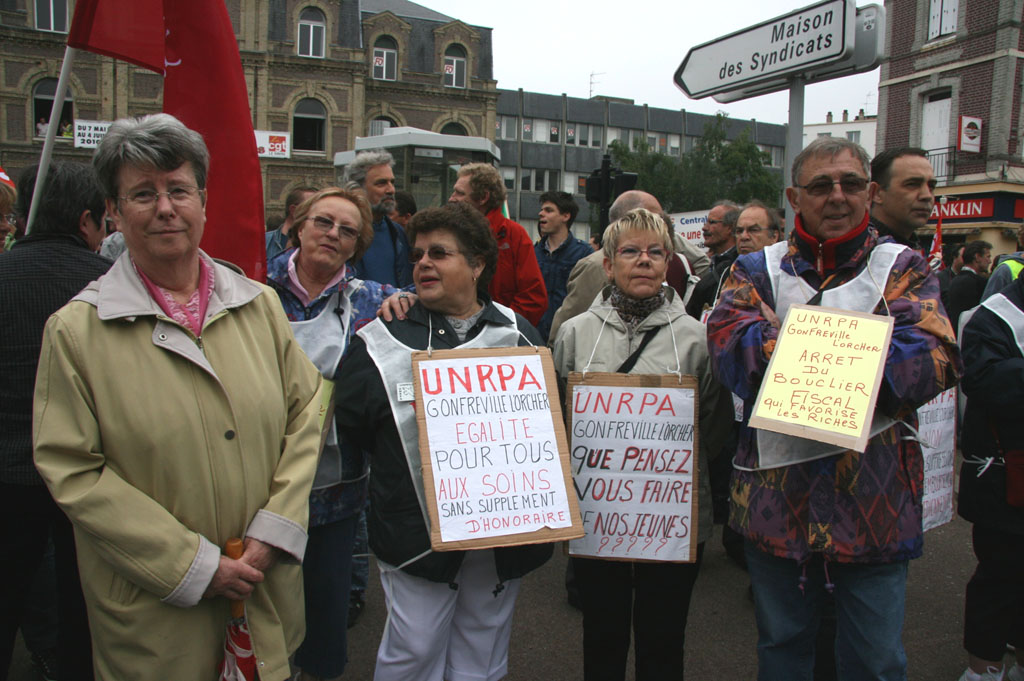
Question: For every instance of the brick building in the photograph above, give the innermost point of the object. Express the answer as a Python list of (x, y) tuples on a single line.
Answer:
[(322, 71), (949, 59)]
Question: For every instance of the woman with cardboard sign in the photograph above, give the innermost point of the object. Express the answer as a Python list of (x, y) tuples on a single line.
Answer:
[(639, 326), (325, 304), (450, 612)]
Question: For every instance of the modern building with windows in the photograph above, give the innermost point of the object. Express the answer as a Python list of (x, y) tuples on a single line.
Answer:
[(319, 72), (953, 84), (860, 129), (553, 142)]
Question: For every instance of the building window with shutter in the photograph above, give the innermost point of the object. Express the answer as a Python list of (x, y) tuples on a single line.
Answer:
[(942, 16)]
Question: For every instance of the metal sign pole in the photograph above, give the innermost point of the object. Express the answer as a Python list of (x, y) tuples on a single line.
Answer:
[(794, 138)]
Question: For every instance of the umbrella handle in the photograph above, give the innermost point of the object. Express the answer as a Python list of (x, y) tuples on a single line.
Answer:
[(234, 548)]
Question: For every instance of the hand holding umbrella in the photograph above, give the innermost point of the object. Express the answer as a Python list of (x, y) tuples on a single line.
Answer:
[(239, 663)]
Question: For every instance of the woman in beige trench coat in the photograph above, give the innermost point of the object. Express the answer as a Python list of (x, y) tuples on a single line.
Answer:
[(173, 411)]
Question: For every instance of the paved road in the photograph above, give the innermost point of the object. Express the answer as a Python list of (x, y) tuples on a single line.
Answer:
[(721, 636)]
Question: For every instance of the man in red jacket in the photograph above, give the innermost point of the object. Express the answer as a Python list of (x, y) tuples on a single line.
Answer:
[(517, 282)]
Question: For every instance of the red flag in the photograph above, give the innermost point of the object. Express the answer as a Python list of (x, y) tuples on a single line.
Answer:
[(204, 87), (936, 249), (130, 31)]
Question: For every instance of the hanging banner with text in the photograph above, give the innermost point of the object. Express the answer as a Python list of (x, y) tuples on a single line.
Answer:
[(634, 462), (937, 428), (495, 457), (89, 133), (823, 378)]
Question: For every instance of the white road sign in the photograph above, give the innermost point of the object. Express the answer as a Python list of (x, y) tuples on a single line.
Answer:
[(819, 34)]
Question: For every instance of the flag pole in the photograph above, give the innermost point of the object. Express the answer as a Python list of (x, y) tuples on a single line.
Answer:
[(51, 135)]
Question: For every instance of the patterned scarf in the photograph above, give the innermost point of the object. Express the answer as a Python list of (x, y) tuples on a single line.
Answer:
[(633, 311)]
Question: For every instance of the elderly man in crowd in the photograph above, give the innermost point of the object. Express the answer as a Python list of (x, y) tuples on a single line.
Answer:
[(387, 259), (174, 411), (757, 227), (847, 522), (518, 282)]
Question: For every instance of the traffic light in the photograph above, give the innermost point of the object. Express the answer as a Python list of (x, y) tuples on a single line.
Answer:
[(605, 184)]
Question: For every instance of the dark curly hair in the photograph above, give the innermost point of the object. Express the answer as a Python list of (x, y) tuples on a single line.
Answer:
[(470, 229)]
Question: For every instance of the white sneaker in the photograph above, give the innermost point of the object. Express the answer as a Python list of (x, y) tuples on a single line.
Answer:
[(991, 674)]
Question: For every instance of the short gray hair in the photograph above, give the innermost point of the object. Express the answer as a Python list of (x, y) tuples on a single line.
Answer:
[(831, 147), (158, 141), (638, 219), (356, 170)]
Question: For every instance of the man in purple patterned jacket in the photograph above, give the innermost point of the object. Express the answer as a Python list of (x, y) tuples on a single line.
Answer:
[(848, 522)]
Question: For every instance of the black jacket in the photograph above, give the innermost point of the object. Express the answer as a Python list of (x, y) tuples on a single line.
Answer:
[(38, 276), (994, 385), (964, 293), (396, 528)]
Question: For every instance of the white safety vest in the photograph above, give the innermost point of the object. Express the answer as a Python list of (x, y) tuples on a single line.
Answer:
[(863, 293), (394, 363), (324, 339)]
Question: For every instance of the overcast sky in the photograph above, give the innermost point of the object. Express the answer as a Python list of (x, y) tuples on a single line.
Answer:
[(634, 48)]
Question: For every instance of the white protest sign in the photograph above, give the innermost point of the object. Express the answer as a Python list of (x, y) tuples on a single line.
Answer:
[(690, 226), (634, 462), (495, 461), (89, 133), (271, 144), (937, 427)]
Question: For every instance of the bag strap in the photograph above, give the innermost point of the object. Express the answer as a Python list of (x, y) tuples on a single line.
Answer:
[(631, 361)]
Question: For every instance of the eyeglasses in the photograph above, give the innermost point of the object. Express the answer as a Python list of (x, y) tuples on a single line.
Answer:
[(434, 252), (629, 253), (9, 218), (145, 198), (822, 186), (324, 225)]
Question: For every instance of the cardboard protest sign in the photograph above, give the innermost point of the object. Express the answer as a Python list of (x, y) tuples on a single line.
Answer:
[(495, 457), (937, 427), (634, 460), (823, 378)]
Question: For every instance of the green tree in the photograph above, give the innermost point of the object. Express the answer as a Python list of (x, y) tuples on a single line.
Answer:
[(715, 169)]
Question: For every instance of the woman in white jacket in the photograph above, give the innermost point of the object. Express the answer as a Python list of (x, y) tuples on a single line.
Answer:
[(653, 596)]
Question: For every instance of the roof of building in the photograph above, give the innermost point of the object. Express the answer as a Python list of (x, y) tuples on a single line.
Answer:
[(403, 8)]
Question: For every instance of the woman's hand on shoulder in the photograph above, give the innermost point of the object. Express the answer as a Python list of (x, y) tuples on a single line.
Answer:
[(396, 305)]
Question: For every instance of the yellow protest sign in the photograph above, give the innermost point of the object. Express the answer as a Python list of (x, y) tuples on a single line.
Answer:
[(823, 378)]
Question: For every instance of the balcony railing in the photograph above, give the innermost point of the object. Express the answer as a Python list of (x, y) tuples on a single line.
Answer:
[(943, 162)]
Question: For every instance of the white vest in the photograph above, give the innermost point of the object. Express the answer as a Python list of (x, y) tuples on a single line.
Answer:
[(1001, 307), (324, 339), (860, 294), (394, 363)]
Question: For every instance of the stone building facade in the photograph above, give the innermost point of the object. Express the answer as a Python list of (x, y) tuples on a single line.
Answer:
[(324, 71)]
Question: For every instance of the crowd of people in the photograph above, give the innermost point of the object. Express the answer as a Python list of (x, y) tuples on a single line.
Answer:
[(159, 404)]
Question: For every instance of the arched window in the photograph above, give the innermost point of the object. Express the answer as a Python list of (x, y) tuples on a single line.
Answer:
[(455, 66), (52, 15), (385, 58), (309, 125), (42, 104), (312, 29), (454, 129)]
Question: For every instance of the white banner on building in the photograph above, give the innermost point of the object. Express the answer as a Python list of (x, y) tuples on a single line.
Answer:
[(271, 144), (89, 133), (937, 426)]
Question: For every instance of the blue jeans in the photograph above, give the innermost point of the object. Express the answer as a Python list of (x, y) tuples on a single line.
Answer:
[(869, 610)]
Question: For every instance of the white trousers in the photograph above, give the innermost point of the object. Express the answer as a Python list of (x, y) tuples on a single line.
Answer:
[(435, 632)]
